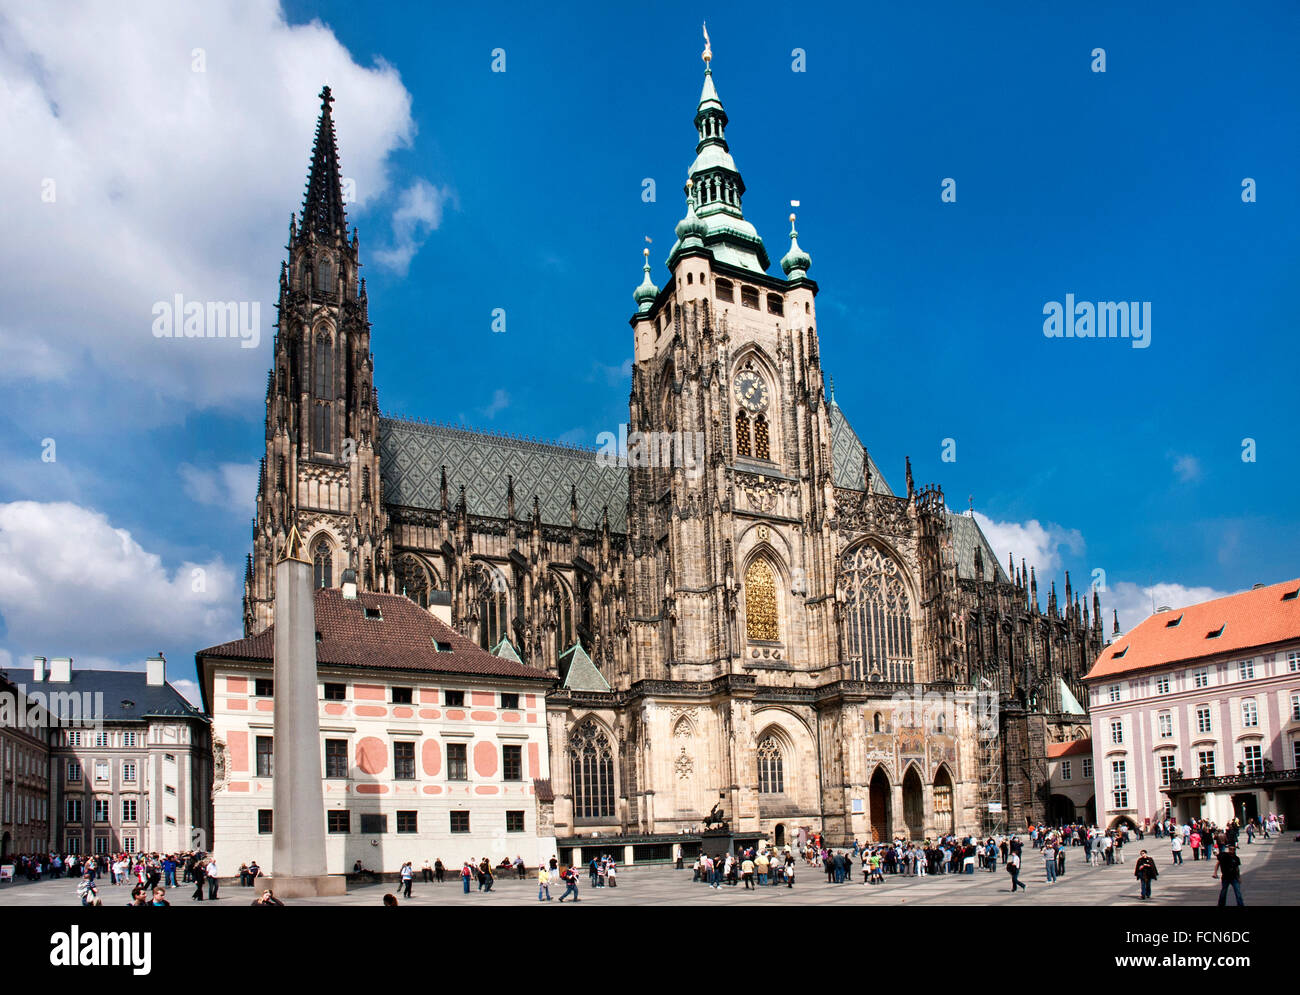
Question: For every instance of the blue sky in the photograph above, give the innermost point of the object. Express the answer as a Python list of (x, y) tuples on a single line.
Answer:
[(522, 190)]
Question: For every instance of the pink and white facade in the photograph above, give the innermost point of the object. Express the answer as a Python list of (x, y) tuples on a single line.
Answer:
[(1196, 712), (431, 747)]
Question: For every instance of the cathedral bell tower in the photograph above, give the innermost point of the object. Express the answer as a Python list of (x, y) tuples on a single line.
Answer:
[(321, 468)]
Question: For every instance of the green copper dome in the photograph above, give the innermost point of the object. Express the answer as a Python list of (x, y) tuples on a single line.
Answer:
[(795, 262), (691, 226), (645, 294)]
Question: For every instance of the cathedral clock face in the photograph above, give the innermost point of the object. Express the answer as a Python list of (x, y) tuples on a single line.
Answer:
[(751, 391)]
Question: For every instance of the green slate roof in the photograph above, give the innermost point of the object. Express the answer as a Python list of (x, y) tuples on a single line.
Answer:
[(846, 456), (506, 650), (580, 674), (1069, 703), (412, 455)]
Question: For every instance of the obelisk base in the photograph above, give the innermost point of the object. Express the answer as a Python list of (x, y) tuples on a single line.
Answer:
[(323, 886)]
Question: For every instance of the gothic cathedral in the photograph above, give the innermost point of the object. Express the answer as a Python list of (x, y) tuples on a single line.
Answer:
[(739, 611)]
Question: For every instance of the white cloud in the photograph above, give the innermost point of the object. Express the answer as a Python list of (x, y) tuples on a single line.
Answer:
[(73, 585), (500, 401), (1038, 545), (1136, 602), (190, 689), (229, 485), (1188, 469), (165, 181), (418, 213)]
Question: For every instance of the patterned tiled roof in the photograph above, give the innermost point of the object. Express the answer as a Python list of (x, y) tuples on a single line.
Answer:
[(1260, 617), (580, 674), (404, 637), (412, 454), (967, 536), (128, 695), (846, 456)]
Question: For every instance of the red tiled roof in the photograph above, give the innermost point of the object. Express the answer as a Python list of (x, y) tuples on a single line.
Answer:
[(1055, 751), (405, 637), (1244, 621)]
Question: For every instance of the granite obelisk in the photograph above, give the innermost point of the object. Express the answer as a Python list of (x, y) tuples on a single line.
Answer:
[(298, 867)]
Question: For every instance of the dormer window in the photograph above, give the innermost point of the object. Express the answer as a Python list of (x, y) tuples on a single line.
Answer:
[(374, 613), (1216, 633), (749, 297), (1173, 622), (724, 290), (775, 304)]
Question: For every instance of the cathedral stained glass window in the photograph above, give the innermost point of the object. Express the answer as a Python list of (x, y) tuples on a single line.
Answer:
[(494, 599), (323, 563), (771, 768), (760, 602), (877, 617), (742, 434), (592, 764)]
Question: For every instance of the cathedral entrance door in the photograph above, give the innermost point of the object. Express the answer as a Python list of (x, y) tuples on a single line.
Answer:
[(914, 804), (879, 801)]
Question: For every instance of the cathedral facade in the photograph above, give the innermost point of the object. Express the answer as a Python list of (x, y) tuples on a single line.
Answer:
[(738, 610)]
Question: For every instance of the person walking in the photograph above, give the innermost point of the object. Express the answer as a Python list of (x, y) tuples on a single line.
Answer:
[(439, 869), (571, 880), (1176, 847), (543, 883), (426, 873), (210, 872), (1013, 868), (1230, 865), (465, 875), (1049, 861), (1145, 871), (408, 877), (197, 874)]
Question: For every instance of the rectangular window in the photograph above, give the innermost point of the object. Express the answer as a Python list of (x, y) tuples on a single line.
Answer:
[(1119, 784), (1203, 722), (407, 822), (1201, 678), (336, 692), (263, 687), (1065, 770), (1087, 767), (74, 810), (1112, 692), (775, 304), (453, 699), (749, 297), (1162, 684), (128, 844), (74, 844), (101, 809), (1166, 770), (74, 769), (402, 696), (336, 758), (457, 765), (1293, 661), (128, 771), (1253, 756), (169, 789), (510, 702), (404, 760), (74, 737), (1165, 721), (128, 739), (460, 822), (514, 822), (265, 821), (101, 740), (1249, 712), (265, 756), (1295, 709), (512, 763), (1295, 753), (724, 290), (128, 810), (373, 824), (1205, 763), (101, 770), (1246, 669), (1117, 732), (338, 821), (101, 845)]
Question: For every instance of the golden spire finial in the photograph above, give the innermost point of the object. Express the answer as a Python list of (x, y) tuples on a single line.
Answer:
[(293, 548), (708, 49)]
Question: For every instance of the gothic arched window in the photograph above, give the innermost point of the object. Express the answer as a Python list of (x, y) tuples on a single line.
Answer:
[(762, 449), (412, 581), (320, 427), (742, 434), (493, 603), (771, 768), (563, 618), (877, 617), (592, 764), (323, 274), (761, 620), (324, 380), (323, 561)]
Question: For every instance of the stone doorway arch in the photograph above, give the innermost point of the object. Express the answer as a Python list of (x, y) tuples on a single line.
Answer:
[(879, 800), (914, 804)]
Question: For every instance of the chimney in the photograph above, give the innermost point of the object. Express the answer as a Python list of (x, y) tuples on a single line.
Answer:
[(440, 606), (38, 669), (156, 671), (61, 670), (349, 584)]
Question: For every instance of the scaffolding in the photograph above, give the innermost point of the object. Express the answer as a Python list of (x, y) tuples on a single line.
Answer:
[(992, 804)]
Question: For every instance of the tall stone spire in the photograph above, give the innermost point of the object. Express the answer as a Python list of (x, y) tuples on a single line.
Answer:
[(322, 207), (718, 185)]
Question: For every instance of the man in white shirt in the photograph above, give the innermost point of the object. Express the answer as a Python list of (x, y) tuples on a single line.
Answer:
[(211, 871)]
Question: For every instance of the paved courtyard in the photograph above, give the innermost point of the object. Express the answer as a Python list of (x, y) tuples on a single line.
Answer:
[(1271, 871)]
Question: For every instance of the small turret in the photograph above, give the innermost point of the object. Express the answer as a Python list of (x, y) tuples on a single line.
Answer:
[(796, 262), (645, 294)]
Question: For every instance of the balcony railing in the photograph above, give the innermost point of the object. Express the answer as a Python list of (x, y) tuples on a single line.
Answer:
[(1256, 779)]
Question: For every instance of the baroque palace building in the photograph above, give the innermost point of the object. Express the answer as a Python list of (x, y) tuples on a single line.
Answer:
[(741, 612)]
